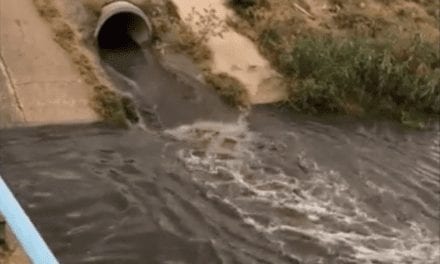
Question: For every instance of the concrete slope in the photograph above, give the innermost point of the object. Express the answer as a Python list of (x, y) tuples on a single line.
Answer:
[(10, 112), (38, 82)]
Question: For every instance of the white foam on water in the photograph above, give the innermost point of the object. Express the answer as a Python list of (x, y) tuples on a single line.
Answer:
[(333, 212)]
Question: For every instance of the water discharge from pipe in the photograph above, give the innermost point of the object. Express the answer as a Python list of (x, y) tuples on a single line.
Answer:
[(164, 96)]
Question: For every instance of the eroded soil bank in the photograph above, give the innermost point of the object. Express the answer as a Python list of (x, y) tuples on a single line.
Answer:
[(362, 58)]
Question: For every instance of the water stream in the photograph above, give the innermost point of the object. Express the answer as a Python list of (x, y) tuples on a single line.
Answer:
[(199, 183)]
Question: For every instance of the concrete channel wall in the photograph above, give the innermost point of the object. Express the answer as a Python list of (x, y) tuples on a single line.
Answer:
[(39, 84)]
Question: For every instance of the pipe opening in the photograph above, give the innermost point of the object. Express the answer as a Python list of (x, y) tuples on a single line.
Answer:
[(121, 30)]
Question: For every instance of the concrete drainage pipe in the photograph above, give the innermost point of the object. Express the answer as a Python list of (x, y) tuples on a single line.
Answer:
[(121, 22)]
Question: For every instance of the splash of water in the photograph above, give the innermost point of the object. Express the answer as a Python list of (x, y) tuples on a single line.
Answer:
[(319, 206)]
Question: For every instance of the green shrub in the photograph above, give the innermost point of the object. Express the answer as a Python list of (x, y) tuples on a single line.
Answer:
[(270, 39), (340, 75)]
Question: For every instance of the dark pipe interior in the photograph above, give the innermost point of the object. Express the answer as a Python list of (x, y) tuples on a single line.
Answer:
[(117, 32)]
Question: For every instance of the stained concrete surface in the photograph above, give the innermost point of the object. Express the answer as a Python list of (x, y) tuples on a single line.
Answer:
[(38, 84), (10, 114)]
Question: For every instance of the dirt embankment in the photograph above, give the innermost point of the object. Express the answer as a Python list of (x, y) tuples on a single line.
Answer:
[(375, 18), (353, 57)]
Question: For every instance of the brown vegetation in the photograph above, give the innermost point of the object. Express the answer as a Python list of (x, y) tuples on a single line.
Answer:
[(350, 56)]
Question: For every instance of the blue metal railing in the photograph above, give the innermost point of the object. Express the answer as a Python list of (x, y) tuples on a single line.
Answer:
[(22, 227)]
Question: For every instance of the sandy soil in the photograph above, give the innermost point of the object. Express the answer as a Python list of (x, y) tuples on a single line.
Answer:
[(233, 53)]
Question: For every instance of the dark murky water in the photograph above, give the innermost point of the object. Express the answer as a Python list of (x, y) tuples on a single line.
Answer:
[(164, 99), (208, 187)]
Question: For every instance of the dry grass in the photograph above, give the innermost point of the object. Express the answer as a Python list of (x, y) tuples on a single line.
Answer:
[(295, 34)]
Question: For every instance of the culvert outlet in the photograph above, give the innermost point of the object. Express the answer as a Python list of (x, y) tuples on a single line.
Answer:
[(121, 23)]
